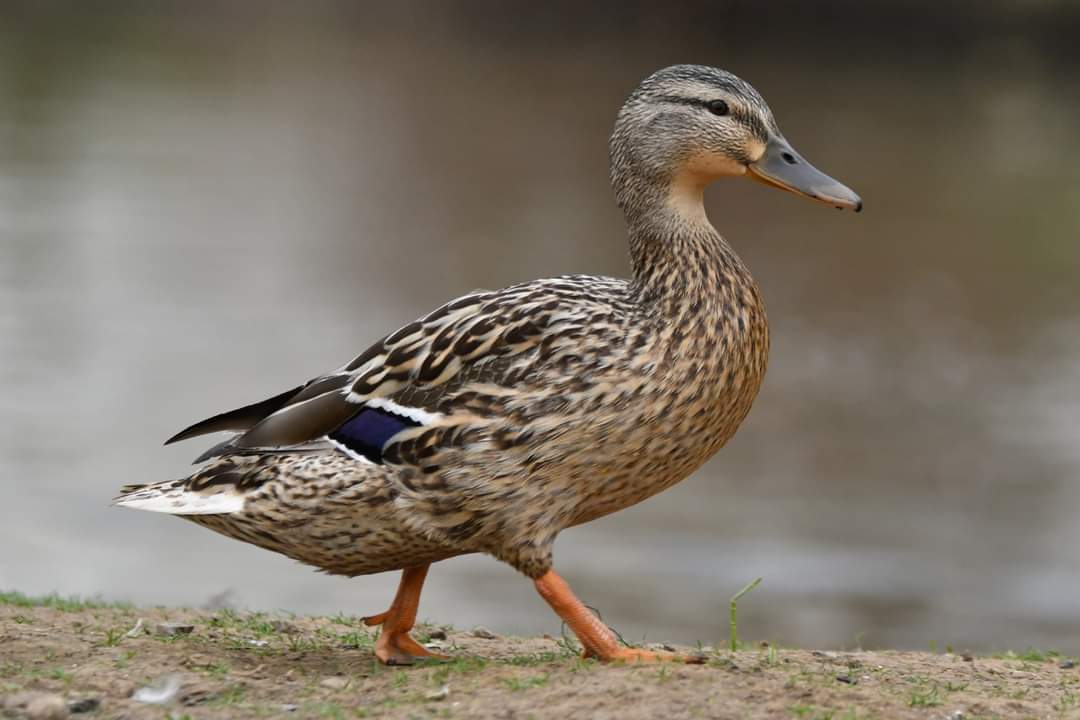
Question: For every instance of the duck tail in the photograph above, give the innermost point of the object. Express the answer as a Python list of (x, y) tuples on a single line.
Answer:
[(177, 497)]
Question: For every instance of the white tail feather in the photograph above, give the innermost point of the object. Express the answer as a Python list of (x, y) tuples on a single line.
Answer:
[(173, 498)]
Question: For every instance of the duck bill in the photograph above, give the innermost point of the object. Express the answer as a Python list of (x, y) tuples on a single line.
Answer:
[(782, 167)]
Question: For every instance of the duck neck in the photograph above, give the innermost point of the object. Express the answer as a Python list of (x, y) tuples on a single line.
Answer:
[(676, 252)]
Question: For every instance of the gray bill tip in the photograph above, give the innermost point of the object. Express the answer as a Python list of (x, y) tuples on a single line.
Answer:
[(782, 167), (839, 196)]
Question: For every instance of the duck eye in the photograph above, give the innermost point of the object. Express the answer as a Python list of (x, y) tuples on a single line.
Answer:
[(718, 107)]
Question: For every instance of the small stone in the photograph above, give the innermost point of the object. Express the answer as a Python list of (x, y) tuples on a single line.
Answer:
[(335, 682), (82, 705), (967, 657), (847, 679), (437, 634), (160, 693), (258, 643), (289, 707), (482, 632), (440, 694), (1067, 664), (169, 629)]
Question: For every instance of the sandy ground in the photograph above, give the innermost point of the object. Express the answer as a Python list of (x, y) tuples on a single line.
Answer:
[(62, 658)]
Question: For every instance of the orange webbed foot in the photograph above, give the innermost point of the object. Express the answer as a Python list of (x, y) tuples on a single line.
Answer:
[(597, 639), (395, 646), (399, 648)]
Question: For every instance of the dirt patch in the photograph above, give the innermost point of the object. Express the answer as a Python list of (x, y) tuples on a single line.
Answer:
[(59, 658)]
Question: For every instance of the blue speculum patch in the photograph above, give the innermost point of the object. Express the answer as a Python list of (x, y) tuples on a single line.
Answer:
[(366, 432)]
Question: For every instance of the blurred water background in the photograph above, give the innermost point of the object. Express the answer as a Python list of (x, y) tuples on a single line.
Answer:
[(202, 204)]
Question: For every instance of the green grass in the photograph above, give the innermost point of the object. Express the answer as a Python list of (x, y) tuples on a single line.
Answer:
[(457, 666), (519, 684), (1033, 655), (217, 669), (356, 640), (59, 674), (124, 659), (541, 658), (1067, 701), (230, 695), (113, 636), (58, 602), (925, 697), (331, 710), (11, 669)]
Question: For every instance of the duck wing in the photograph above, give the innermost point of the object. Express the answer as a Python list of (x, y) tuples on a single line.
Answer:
[(435, 373)]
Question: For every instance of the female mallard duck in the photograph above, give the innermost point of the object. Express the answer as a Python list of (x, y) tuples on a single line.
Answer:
[(503, 417)]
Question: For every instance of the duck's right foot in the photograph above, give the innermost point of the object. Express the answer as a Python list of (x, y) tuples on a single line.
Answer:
[(597, 640)]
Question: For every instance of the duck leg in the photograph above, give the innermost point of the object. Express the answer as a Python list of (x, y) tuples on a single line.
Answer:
[(395, 646), (596, 638)]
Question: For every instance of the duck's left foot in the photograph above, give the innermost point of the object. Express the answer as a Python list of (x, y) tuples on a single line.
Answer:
[(398, 648), (596, 637), (395, 646)]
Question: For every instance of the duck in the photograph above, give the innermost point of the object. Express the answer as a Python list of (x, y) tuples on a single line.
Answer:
[(504, 417)]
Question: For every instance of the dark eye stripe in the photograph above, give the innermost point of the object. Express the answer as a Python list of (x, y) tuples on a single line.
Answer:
[(680, 100), (738, 112), (730, 110)]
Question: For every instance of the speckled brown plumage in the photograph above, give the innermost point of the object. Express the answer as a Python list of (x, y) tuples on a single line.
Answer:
[(520, 412)]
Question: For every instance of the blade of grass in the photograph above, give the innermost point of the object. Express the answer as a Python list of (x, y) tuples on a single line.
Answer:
[(734, 644)]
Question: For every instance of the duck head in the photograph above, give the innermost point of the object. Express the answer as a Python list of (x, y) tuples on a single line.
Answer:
[(688, 125)]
